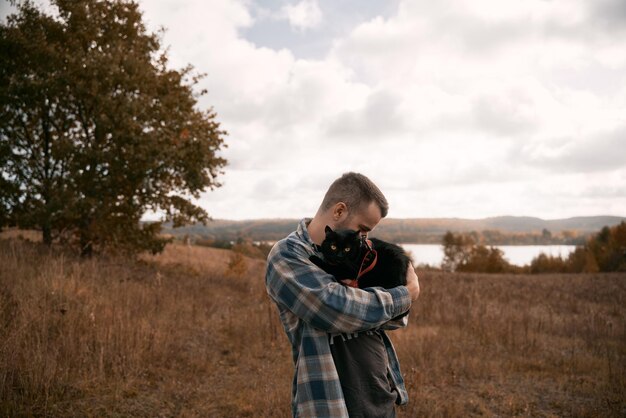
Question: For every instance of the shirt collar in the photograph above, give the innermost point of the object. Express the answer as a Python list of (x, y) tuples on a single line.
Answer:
[(303, 233)]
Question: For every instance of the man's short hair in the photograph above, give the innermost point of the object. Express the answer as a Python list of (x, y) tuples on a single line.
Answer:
[(356, 191)]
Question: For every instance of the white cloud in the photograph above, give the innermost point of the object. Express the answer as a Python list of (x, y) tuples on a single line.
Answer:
[(303, 15), (601, 152), (455, 108)]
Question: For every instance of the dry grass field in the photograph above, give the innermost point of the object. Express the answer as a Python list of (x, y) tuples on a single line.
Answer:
[(191, 333)]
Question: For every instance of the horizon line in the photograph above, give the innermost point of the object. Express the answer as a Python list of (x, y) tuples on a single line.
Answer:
[(411, 218)]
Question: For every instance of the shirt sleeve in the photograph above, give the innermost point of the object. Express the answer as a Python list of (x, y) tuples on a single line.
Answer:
[(395, 323), (311, 294)]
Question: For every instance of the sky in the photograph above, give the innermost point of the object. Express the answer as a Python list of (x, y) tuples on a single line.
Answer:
[(453, 108)]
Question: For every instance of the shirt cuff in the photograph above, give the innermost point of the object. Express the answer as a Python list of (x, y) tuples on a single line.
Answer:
[(401, 299)]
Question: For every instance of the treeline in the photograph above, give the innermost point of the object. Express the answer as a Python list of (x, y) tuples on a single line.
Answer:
[(509, 230), (225, 231), (500, 230), (602, 252), (605, 252), (493, 237)]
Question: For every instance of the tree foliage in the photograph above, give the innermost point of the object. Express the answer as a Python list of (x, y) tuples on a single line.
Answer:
[(462, 253), (603, 252), (456, 250), (96, 129)]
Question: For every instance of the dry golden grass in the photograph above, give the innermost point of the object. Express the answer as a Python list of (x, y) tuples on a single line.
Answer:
[(197, 259), (192, 333), (119, 338), (26, 234), (498, 345)]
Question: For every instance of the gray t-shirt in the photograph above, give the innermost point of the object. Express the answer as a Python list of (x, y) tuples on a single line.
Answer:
[(361, 362)]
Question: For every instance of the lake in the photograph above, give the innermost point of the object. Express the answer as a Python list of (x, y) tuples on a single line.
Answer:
[(515, 254)]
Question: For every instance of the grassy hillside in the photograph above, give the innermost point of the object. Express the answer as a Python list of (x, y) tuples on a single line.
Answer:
[(191, 333)]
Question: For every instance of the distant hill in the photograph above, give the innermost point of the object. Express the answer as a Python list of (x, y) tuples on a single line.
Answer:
[(499, 230), (221, 229), (511, 224)]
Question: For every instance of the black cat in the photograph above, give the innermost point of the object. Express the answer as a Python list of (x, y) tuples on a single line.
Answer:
[(344, 253)]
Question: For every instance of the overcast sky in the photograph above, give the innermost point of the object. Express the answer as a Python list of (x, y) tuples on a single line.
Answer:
[(454, 108)]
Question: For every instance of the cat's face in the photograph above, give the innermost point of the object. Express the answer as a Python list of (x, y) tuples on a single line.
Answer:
[(341, 246)]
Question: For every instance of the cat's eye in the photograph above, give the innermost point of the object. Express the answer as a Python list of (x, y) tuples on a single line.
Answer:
[(347, 249), (333, 247)]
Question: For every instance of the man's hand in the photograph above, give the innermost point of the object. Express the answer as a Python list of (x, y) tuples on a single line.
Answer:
[(412, 283)]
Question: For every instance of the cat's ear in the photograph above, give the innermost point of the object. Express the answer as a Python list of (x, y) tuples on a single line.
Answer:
[(328, 229)]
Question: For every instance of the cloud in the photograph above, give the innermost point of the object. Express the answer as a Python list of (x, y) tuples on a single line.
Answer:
[(609, 15), (378, 116), (454, 108), (303, 15), (603, 152)]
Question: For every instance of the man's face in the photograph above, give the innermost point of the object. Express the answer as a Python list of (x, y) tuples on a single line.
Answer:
[(363, 220)]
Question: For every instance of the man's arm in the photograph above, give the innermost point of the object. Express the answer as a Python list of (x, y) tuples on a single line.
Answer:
[(295, 283), (395, 323), (412, 283)]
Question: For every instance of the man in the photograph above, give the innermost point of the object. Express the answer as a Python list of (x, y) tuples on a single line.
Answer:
[(313, 306)]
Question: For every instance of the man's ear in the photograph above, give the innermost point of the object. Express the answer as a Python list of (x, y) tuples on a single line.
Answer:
[(339, 210)]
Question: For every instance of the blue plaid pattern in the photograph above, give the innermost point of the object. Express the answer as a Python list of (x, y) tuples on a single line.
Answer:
[(313, 307)]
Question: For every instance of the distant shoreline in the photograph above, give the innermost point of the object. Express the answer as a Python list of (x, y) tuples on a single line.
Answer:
[(503, 230), (519, 255)]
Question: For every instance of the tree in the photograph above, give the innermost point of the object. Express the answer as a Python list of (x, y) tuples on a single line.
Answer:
[(462, 253), (604, 252), (609, 248), (581, 260), (545, 263), (6, 186), (486, 260), (95, 129), (456, 249)]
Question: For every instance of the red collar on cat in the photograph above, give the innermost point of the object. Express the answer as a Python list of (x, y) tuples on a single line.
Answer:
[(372, 255)]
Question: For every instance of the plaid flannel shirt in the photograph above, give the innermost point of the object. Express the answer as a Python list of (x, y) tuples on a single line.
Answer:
[(312, 305)]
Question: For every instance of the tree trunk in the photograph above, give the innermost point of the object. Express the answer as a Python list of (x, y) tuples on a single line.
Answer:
[(86, 239), (46, 234), (46, 226), (86, 247)]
